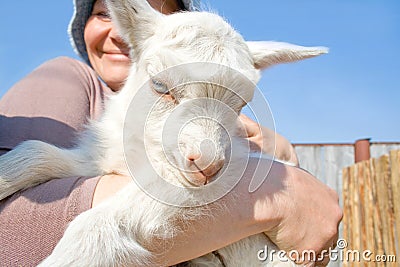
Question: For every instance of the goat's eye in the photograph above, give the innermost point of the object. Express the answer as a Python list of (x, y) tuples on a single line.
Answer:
[(159, 86)]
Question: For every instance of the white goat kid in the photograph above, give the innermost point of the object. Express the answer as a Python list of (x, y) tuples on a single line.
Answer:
[(126, 229)]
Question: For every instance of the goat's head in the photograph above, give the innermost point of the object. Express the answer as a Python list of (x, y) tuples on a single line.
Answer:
[(199, 73)]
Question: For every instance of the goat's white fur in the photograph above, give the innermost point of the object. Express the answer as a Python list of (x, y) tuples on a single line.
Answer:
[(120, 232)]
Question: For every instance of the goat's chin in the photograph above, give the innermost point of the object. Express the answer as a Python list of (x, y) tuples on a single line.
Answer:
[(184, 181)]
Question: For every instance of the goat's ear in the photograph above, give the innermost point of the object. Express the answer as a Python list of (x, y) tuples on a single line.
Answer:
[(266, 54), (135, 20)]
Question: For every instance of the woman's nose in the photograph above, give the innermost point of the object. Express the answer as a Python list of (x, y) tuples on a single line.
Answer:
[(114, 34)]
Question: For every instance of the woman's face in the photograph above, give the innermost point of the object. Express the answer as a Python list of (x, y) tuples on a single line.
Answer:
[(107, 52)]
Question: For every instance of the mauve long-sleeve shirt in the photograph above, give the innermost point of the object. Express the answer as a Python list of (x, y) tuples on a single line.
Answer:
[(51, 104)]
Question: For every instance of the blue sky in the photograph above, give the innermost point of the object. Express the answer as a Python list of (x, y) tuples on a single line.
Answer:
[(352, 92)]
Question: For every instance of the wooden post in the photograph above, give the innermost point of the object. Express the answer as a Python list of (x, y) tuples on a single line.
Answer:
[(385, 206), (377, 213), (346, 210), (368, 208), (361, 191), (395, 183), (356, 243)]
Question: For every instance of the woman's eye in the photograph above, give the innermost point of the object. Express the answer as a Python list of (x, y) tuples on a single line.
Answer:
[(159, 86), (103, 15)]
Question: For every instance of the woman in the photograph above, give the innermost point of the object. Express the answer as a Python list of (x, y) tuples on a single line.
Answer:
[(53, 103)]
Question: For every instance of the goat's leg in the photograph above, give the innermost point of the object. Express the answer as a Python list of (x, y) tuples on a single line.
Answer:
[(256, 250), (35, 162), (118, 232)]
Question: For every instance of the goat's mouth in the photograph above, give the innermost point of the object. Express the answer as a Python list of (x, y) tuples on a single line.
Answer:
[(198, 177)]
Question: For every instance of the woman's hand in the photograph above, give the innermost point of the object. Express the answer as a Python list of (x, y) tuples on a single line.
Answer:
[(301, 212), (267, 141)]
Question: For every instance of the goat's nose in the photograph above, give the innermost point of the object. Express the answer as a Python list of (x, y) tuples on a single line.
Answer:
[(193, 157), (206, 161)]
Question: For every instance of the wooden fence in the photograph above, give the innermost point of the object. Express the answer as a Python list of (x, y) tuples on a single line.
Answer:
[(371, 206)]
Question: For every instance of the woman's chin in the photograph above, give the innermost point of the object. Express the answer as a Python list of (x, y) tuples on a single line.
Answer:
[(115, 75)]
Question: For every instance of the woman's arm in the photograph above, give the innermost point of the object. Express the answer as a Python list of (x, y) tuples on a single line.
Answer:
[(297, 211)]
